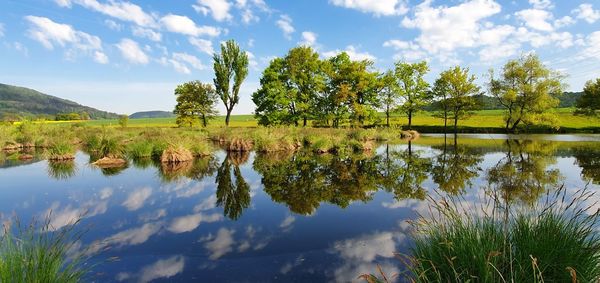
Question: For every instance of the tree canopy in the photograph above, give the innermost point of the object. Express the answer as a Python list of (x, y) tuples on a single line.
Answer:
[(589, 102), (231, 64), (195, 101), (527, 90), (413, 88)]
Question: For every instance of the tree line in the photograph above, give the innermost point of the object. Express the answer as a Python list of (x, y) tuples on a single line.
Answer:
[(301, 87)]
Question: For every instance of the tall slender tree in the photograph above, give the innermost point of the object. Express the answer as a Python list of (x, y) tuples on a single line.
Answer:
[(231, 64), (527, 90), (459, 87), (413, 89), (389, 94)]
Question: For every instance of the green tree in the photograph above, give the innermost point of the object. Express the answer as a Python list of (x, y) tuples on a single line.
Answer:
[(123, 121), (457, 89), (527, 90), (352, 90), (589, 102), (413, 88), (195, 100), (232, 63), (389, 94), (289, 88)]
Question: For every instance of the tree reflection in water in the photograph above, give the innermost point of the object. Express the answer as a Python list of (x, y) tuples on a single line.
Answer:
[(523, 174), (404, 173), (233, 192), (455, 167), (588, 159)]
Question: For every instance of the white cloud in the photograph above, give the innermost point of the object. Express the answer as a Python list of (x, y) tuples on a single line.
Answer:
[(287, 222), (222, 244), (21, 48), (586, 12), (165, 268), (113, 25), (309, 38), (592, 43), (137, 198), (252, 60), (541, 4), (1, 29), (190, 222), (497, 52), (100, 57), (285, 24), (146, 33), (248, 7), (563, 22), (352, 52), (192, 61), (51, 34), (377, 7), (121, 10), (495, 35), (219, 9), (536, 19), (461, 21), (202, 45), (63, 3), (397, 44), (184, 25)]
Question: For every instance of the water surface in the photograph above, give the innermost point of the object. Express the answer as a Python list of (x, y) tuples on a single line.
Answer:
[(281, 217)]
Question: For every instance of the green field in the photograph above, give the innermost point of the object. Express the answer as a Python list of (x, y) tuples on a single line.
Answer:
[(481, 121)]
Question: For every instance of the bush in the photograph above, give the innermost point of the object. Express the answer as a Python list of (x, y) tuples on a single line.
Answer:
[(138, 150)]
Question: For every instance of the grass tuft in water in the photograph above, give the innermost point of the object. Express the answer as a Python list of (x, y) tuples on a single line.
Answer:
[(33, 255), (552, 242)]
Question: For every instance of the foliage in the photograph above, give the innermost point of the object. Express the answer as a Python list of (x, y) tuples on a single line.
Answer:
[(351, 92), (548, 243), (289, 88), (455, 89), (123, 121), (389, 94), (30, 255), (589, 102), (527, 90), (233, 195), (195, 100), (232, 63), (412, 87)]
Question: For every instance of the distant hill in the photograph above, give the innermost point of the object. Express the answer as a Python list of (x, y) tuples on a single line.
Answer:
[(152, 114), (23, 101), (568, 99)]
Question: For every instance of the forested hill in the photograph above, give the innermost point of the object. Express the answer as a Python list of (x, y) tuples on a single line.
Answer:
[(23, 101), (568, 99), (152, 114)]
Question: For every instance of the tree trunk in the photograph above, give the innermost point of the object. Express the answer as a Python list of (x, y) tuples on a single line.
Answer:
[(445, 122), (304, 123), (410, 120), (204, 123), (227, 117), (455, 124)]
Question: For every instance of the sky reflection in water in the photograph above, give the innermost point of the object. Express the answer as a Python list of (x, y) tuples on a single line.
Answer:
[(279, 217)]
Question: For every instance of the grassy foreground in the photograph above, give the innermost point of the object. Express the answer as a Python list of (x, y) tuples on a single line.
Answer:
[(483, 121)]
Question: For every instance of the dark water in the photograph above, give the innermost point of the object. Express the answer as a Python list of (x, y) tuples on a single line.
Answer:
[(280, 217)]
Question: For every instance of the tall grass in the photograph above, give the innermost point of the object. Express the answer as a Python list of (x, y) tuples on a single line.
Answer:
[(32, 255), (555, 241), (61, 151)]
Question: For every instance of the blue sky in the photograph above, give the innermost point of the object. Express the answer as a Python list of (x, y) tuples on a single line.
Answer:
[(128, 56)]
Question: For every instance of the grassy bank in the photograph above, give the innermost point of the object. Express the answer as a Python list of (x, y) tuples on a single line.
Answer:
[(484, 121)]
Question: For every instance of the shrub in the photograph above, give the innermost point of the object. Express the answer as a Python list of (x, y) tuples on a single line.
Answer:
[(138, 150)]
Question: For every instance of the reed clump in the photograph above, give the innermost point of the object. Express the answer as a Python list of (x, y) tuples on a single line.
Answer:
[(31, 254), (556, 241), (176, 154), (61, 151)]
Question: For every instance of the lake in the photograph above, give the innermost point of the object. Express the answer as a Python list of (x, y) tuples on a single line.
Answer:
[(248, 217)]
